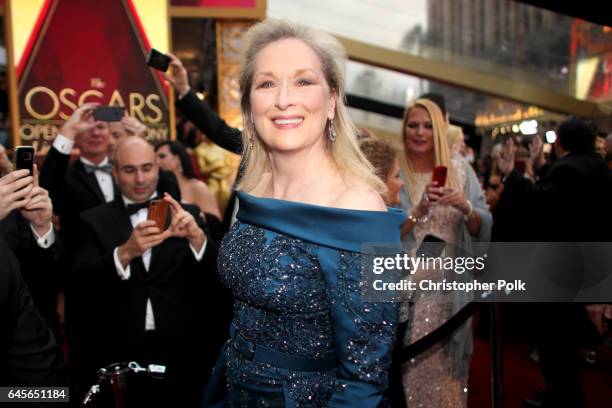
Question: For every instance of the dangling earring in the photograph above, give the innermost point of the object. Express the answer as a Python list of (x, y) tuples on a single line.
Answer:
[(252, 137), (251, 143), (331, 132)]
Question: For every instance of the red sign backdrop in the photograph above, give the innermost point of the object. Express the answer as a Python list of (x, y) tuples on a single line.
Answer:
[(87, 51)]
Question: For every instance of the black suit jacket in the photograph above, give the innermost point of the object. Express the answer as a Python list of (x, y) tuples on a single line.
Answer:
[(29, 354), (42, 269), (182, 291), (569, 205), (72, 190)]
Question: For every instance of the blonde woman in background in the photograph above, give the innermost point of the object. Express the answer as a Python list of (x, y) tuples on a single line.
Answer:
[(458, 214)]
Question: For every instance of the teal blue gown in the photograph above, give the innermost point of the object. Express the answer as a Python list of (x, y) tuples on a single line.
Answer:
[(301, 334)]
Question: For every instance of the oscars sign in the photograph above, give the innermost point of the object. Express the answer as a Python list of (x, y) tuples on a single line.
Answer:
[(87, 51)]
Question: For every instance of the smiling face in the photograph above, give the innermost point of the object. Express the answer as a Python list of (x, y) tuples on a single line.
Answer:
[(290, 98), (418, 133)]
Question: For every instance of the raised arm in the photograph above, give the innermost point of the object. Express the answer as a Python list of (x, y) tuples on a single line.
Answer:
[(198, 111)]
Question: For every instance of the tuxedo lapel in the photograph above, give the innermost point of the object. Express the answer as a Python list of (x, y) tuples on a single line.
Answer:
[(122, 217), (89, 180)]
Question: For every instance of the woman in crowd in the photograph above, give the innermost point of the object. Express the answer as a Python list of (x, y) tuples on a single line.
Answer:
[(385, 159), (172, 156), (456, 141), (302, 334), (458, 214)]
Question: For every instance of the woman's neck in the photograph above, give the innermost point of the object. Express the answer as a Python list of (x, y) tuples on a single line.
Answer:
[(422, 163), (300, 176), (180, 177)]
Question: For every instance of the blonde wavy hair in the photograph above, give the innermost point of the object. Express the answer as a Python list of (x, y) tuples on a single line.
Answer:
[(344, 151), (442, 152)]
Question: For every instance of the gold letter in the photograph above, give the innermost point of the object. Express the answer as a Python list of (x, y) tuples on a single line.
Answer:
[(153, 107), (30, 109), (87, 93), (116, 99), (63, 96), (136, 105)]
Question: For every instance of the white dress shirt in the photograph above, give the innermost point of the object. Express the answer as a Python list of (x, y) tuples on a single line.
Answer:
[(64, 145), (47, 239), (124, 273)]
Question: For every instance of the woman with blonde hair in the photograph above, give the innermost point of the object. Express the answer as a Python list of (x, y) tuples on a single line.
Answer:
[(302, 334), (458, 214)]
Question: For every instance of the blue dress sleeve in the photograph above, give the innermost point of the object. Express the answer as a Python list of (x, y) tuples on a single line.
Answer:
[(364, 333)]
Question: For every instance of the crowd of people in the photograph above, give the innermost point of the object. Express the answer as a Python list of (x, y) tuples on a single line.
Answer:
[(261, 305)]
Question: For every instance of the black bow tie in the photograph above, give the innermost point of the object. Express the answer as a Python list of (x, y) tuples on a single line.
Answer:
[(107, 168), (134, 208)]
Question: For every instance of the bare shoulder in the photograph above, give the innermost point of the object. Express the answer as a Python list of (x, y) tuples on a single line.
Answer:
[(198, 187), (360, 196)]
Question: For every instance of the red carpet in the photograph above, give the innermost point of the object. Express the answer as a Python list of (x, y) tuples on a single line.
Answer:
[(522, 376)]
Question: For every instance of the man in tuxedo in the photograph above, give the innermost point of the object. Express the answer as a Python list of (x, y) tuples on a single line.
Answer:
[(149, 288), (29, 355), (25, 225), (75, 187), (569, 205)]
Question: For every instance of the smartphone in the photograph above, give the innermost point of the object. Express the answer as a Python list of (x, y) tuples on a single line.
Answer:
[(158, 212), (439, 175), (108, 113), (24, 158), (157, 60), (431, 246)]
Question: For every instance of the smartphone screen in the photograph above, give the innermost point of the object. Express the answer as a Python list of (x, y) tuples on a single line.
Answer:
[(439, 175), (24, 158), (158, 212), (108, 113), (157, 60)]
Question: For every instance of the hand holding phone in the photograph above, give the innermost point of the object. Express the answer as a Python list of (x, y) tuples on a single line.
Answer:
[(158, 212), (157, 60), (439, 175)]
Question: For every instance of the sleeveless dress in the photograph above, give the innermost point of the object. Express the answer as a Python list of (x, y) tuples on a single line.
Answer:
[(301, 334)]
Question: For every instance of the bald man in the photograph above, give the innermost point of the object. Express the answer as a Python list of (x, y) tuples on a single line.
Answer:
[(148, 288)]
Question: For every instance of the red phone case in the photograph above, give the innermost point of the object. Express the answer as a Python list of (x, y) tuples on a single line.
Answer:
[(439, 175)]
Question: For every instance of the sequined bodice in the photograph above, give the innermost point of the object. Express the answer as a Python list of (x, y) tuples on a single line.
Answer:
[(294, 270), (280, 296)]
